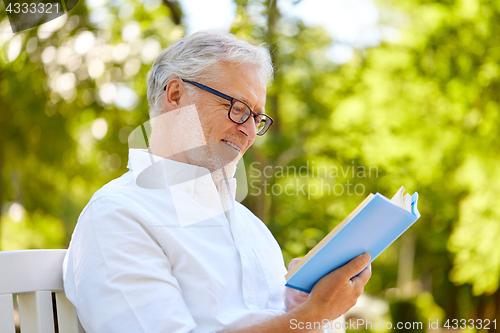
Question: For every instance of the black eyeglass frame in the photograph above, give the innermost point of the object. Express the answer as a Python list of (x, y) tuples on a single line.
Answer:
[(232, 100)]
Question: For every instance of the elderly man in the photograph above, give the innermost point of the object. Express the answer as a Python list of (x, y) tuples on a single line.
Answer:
[(165, 247)]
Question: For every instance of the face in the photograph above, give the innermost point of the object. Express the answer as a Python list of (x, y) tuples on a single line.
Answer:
[(227, 141)]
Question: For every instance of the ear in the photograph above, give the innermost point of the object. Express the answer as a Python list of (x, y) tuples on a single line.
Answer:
[(174, 94)]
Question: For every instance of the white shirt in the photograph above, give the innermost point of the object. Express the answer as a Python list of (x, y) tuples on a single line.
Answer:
[(175, 258)]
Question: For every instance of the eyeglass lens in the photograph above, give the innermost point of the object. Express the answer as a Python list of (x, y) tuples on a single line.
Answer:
[(240, 113)]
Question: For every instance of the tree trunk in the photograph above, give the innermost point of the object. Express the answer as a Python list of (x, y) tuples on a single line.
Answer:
[(2, 140), (405, 266), (273, 15), (272, 100), (175, 10)]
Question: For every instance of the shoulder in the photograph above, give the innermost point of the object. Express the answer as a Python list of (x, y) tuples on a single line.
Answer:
[(114, 190), (117, 201), (243, 210), (121, 192)]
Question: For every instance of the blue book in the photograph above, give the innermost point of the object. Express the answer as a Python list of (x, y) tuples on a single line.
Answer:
[(374, 225)]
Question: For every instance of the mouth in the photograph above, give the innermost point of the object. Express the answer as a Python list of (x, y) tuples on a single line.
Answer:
[(232, 145)]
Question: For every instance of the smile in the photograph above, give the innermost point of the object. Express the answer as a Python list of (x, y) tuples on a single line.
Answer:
[(232, 145)]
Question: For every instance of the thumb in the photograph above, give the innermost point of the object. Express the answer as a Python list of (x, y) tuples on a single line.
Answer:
[(354, 266), (294, 262)]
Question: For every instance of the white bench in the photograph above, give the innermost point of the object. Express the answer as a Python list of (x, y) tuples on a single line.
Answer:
[(33, 275)]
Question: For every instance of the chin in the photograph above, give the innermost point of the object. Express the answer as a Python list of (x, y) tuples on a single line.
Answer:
[(217, 157), (226, 172)]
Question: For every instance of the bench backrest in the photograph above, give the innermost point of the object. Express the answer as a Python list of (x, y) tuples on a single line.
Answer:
[(32, 276)]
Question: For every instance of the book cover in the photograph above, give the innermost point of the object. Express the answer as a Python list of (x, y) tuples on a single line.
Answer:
[(374, 225)]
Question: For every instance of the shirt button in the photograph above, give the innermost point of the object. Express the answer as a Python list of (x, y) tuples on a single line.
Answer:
[(187, 189), (249, 300), (210, 198)]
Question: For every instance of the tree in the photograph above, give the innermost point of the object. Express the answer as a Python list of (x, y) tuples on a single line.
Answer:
[(67, 91), (422, 111)]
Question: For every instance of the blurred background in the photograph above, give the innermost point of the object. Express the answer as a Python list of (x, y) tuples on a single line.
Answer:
[(407, 89)]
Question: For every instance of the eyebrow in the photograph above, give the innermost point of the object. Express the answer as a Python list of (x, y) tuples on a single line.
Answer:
[(262, 110)]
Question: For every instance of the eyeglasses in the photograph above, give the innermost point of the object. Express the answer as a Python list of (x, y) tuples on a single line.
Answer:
[(239, 111)]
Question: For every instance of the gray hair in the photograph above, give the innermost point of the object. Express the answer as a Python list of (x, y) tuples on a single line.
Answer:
[(196, 57)]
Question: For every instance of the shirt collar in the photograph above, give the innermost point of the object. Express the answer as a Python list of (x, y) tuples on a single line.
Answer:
[(196, 180)]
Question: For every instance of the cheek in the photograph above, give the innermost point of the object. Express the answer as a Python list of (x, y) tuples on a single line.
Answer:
[(207, 122), (214, 121), (216, 126)]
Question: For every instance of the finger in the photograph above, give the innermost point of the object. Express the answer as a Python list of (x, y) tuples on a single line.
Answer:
[(363, 277), (354, 266), (301, 293), (292, 263)]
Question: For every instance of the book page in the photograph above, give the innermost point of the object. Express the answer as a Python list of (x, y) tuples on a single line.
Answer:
[(402, 201)]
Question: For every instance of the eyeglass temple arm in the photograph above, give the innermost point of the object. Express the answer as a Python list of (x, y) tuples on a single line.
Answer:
[(213, 91), (201, 86)]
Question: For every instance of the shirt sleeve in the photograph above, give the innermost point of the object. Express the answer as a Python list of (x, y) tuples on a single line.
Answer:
[(117, 275)]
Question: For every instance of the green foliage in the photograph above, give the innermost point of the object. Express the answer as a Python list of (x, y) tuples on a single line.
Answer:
[(423, 111), (64, 123)]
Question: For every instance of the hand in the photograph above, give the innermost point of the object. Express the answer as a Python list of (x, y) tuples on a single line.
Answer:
[(294, 297), (331, 297), (335, 293)]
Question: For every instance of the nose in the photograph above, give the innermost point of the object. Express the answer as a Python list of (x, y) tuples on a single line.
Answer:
[(248, 128)]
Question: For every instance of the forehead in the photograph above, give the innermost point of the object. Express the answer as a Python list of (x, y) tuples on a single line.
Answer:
[(243, 82)]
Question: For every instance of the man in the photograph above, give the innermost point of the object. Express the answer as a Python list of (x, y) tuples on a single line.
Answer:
[(165, 247)]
